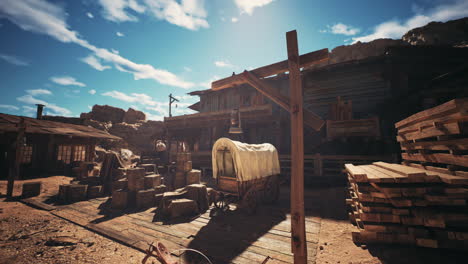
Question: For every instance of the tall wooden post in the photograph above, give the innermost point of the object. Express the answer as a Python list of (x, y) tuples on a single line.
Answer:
[(14, 171), (298, 233)]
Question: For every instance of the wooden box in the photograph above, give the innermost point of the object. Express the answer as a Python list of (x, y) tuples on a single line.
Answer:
[(119, 199), (31, 189), (145, 198), (193, 177), (152, 181)]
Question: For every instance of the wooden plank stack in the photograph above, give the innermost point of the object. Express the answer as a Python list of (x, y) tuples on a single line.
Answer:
[(398, 204), (437, 138)]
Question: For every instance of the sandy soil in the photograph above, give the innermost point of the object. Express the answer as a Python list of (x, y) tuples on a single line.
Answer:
[(28, 235)]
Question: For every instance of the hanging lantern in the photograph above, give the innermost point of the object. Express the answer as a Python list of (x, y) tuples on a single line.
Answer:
[(236, 127)]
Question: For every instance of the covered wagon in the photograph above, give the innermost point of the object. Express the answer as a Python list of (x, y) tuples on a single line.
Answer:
[(245, 173)]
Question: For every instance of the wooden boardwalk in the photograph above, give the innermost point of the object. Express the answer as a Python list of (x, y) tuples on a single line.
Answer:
[(233, 238)]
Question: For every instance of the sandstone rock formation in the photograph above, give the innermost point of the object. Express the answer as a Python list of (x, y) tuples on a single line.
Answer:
[(451, 33), (133, 116), (105, 113), (137, 133), (361, 50)]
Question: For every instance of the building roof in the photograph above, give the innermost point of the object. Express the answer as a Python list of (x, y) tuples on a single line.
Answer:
[(9, 123)]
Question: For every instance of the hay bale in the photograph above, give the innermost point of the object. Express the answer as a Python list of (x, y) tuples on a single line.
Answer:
[(193, 177), (182, 207), (31, 189), (77, 192), (95, 191), (145, 198), (199, 194), (119, 199), (152, 181)]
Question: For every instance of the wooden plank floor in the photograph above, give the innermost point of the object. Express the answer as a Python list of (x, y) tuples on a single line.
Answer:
[(232, 238)]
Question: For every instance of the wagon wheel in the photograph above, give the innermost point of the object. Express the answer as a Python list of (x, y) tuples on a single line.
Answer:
[(221, 205), (271, 190), (250, 201)]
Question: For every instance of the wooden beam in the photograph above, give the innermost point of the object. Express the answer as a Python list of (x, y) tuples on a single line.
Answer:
[(298, 232), (14, 170), (310, 119), (306, 60)]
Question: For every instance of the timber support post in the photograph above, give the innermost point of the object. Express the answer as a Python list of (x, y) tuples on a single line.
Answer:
[(298, 232), (13, 172)]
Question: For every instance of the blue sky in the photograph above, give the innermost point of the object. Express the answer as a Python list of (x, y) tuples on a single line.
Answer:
[(73, 54)]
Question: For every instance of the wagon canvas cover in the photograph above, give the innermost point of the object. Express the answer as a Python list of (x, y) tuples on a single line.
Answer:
[(250, 161)]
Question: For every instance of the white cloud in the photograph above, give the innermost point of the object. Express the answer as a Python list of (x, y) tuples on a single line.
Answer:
[(150, 116), (90, 15), (187, 69), (13, 59), (119, 34), (207, 84), (9, 107), (234, 20), (92, 91), (94, 62), (396, 29), (223, 64), (51, 109), (66, 80), (248, 6), (115, 51), (189, 14), (143, 99), (342, 29), (117, 10), (42, 17), (39, 92)]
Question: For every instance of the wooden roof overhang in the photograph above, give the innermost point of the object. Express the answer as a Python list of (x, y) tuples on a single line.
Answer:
[(10, 124), (200, 120), (255, 78)]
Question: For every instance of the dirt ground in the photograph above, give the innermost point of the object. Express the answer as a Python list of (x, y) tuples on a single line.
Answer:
[(29, 235)]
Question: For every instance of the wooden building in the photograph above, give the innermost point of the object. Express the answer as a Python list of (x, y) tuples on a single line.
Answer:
[(377, 91), (47, 147)]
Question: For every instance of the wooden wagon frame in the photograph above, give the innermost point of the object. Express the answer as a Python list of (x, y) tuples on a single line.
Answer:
[(246, 174)]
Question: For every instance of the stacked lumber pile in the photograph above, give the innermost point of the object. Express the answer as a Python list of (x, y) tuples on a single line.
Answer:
[(437, 138), (398, 204)]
